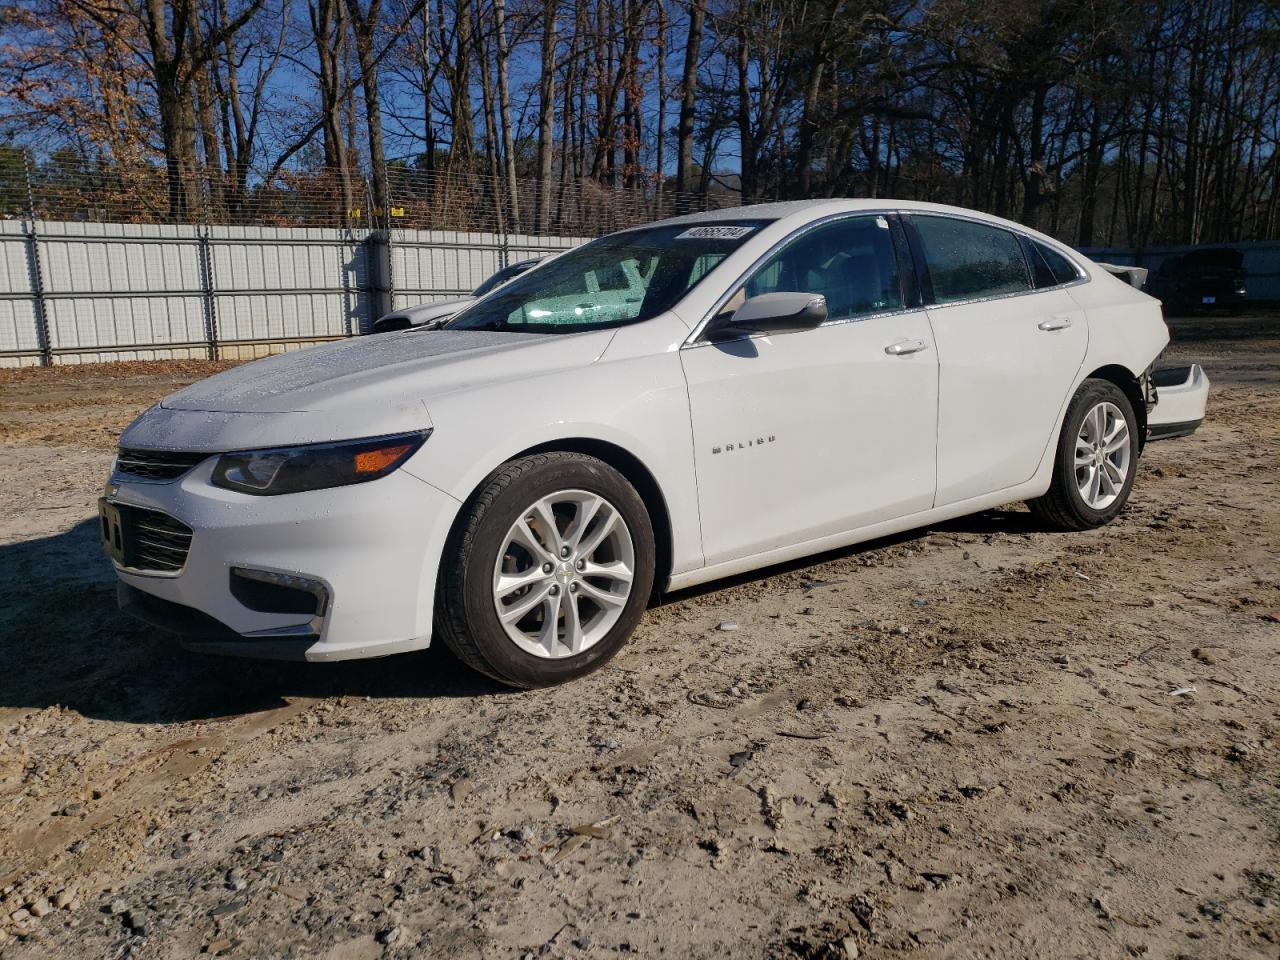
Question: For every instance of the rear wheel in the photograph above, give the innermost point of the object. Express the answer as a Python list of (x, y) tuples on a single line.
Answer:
[(1096, 459), (548, 572)]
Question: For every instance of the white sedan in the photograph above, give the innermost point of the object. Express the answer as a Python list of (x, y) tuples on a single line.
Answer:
[(658, 408), (438, 312)]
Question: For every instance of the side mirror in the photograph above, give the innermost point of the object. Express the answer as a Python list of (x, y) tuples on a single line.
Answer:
[(772, 313)]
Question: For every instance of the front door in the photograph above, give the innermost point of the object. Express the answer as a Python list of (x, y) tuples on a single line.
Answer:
[(802, 435)]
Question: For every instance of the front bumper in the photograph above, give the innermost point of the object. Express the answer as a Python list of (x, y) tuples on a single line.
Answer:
[(373, 547), (1182, 393)]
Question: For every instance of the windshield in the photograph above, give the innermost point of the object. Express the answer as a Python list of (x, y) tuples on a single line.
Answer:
[(616, 280), (502, 276)]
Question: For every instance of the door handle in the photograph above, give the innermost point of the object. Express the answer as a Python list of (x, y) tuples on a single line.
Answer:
[(900, 348), (1054, 323)]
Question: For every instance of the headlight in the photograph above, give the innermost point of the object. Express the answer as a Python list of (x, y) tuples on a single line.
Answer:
[(314, 466)]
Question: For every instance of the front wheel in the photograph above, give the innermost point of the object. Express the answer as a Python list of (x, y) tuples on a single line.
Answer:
[(548, 572), (1096, 459)]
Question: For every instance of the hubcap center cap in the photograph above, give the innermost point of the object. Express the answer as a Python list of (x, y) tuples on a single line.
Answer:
[(565, 573)]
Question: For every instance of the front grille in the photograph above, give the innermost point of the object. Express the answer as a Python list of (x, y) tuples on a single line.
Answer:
[(155, 465), (160, 542), (144, 540)]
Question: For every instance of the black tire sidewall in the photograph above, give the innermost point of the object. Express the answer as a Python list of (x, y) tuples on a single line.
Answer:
[(1090, 394), (502, 655)]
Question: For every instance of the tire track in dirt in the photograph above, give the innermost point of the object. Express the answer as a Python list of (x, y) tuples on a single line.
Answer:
[(46, 848)]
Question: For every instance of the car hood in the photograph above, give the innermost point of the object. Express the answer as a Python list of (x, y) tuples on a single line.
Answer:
[(366, 386)]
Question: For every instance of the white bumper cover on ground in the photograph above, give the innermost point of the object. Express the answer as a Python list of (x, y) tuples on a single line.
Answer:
[(1182, 393)]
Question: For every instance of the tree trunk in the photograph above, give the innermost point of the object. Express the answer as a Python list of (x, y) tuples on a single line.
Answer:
[(689, 98), (167, 61), (326, 30), (490, 127), (746, 129), (809, 106), (206, 122), (461, 147), (546, 116), (1033, 195), (661, 145), (364, 24), (504, 111)]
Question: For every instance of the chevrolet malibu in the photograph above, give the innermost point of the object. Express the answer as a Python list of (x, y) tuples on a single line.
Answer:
[(658, 408)]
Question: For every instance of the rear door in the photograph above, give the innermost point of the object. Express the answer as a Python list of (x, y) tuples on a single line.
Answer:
[(1010, 344), (803, 435)]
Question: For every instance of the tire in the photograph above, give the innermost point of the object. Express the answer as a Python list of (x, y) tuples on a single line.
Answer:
[(485, 545), (1064, 505)]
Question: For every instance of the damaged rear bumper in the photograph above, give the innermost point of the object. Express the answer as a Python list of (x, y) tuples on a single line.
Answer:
[(1182, 393)]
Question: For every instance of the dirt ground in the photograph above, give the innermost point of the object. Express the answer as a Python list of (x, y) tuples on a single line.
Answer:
[(979, 740)]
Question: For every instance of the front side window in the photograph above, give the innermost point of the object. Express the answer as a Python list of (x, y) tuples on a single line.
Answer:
[(850, 261), (969, 261), (616, 280)]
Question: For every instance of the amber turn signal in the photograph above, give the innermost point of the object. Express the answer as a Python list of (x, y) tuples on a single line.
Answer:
[(375, 461)]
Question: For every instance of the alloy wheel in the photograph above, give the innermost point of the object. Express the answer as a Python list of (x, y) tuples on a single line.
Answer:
[(1103, 456), (564, 574)]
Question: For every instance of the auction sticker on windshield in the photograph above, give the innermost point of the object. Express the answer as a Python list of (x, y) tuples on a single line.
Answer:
[(715, 233)]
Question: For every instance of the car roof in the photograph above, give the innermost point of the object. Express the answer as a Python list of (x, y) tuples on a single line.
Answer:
[(781, 209), (800, 211), (758, 211)]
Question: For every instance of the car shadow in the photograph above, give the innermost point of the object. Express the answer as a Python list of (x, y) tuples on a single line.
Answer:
[(1008, 520), (64, 643)]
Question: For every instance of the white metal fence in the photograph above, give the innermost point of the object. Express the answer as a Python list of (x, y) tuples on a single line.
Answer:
[(74, 292), (84, 292)]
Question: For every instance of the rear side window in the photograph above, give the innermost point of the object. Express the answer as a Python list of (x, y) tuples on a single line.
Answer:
[(1041, 274), (968, 260), (1059, 267)]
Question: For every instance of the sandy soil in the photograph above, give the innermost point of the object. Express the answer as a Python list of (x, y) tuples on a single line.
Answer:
[(962, 742)]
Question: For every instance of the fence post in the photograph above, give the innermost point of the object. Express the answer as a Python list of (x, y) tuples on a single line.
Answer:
[(504, 229), (35, 271), (389, 252), (210, 301), (377, 248), (346, 248)]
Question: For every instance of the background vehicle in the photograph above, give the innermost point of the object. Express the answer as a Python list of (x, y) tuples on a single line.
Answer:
[(438, 312), (658, 408), (1212, 278)]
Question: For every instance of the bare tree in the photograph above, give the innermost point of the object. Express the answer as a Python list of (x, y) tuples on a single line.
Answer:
[(689, 96), (546, 114)]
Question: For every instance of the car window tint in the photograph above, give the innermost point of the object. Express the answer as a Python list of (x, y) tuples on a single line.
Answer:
[(1062, 268), (1041, 275), (850, 261), (970, 260)]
